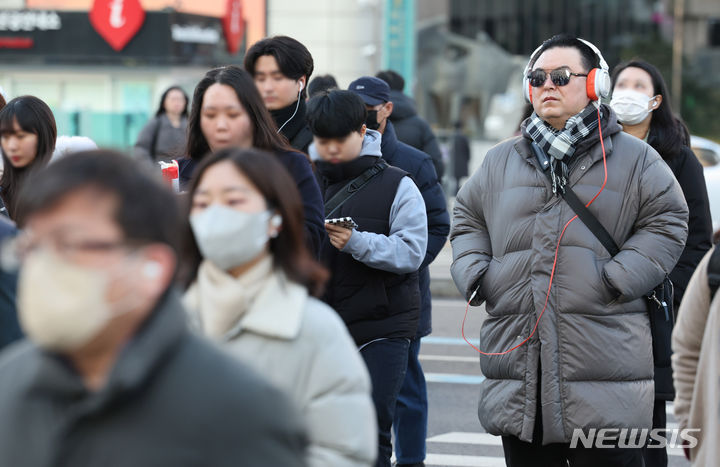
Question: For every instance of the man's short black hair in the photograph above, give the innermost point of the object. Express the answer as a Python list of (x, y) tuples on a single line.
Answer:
[(393, 79), (293, 58), (336, 114), (147, 211), (589, 58), (320, 84)]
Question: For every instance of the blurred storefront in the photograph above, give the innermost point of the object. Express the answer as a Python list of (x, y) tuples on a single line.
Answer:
[(96, 90)]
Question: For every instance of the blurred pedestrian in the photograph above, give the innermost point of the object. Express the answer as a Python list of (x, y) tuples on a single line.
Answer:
[(281, 67), (409, 126), (374, 279), (567, 345), (460, 154), (163, 137), (696, 361), (642, 103), (111, 375), (410, 423), (228, 111), (320, 84), (252, 292), (27, 136)]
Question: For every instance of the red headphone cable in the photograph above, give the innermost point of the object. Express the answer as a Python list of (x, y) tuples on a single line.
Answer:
[(552, 273)]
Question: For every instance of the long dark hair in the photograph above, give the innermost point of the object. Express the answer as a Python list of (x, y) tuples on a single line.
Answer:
[(33, 116), (265, 135), (668, 134), (289, 250), (161, 109)]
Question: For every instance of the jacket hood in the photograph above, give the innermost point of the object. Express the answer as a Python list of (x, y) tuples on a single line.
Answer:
[(403, 106), (370, 146)]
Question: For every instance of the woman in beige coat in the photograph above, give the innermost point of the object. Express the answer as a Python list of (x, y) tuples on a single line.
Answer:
[(696, 366), (250, 276)]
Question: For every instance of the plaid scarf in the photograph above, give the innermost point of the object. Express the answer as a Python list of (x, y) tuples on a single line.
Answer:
[(561, 143)]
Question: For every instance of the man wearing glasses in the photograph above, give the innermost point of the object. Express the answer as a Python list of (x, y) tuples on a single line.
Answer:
[(566, 347), (110, 374)]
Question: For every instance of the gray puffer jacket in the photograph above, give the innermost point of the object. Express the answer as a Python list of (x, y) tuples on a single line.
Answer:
[(593, 341)]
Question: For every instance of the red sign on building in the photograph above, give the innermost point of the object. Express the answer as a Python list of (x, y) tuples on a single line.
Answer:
[(117, 21), (233, 25)]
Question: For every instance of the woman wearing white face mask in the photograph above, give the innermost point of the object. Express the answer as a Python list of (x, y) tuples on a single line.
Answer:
[(642, 103), (251, 276)]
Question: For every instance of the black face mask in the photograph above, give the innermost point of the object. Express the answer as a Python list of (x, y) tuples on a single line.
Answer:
[(371, 120)]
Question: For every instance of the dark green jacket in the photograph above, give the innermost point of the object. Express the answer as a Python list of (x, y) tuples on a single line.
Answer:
[(171, 399)]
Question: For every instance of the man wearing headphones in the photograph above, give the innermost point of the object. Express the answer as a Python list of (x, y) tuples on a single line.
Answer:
[(566, 347), (281, 67)]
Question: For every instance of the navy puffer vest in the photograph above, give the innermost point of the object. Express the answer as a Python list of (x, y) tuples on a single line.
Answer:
[(373, 303)]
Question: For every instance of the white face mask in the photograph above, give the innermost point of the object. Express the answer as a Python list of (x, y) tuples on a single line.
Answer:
[(230, 238), (62, 306), (631, 107)]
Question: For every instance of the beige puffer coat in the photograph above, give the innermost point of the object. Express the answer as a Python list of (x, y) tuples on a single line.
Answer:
[(593, 342)]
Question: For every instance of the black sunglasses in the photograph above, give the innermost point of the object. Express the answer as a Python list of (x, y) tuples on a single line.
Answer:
[(559, 76)]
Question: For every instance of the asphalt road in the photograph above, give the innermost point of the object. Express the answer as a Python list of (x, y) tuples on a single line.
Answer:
[(455, 437)]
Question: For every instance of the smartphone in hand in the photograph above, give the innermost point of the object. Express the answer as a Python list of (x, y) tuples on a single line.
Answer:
[(345, 222)]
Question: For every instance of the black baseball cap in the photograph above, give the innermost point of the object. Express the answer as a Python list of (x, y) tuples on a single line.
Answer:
[(372, 90)]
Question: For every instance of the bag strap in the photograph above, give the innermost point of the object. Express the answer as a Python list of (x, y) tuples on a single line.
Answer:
[(579, 207), (153, 143), (590, 221), (355, 185), (713, 271)]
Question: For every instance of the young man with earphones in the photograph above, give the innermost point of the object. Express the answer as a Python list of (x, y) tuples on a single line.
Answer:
[(110, 373), (374, 283), (410, 423), (566, 346), (281, 67)]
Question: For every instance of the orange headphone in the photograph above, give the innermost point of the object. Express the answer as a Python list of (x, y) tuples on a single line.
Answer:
[(597, 84)]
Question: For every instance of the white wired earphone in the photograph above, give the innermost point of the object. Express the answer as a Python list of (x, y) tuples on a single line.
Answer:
[(302, 85)]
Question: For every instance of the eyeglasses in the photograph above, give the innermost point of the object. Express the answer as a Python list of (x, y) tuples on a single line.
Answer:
[(559, 76), (13, 251)]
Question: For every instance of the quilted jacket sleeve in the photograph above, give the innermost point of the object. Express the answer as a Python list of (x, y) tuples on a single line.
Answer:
[(659, 232), (469, 239)]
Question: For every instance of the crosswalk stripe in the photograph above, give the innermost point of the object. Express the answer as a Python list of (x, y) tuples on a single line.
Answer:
[(449, 358), (453, 460), (453, 378), (486, 439), (438, 340), (460, 437)]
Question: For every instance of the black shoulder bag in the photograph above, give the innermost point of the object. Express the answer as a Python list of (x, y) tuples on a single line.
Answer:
[(659, 299), (355, 185)]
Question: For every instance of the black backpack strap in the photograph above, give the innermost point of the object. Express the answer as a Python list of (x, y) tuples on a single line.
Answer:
[(713, 271), (578, 206), (355, 185), (302, 139)]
